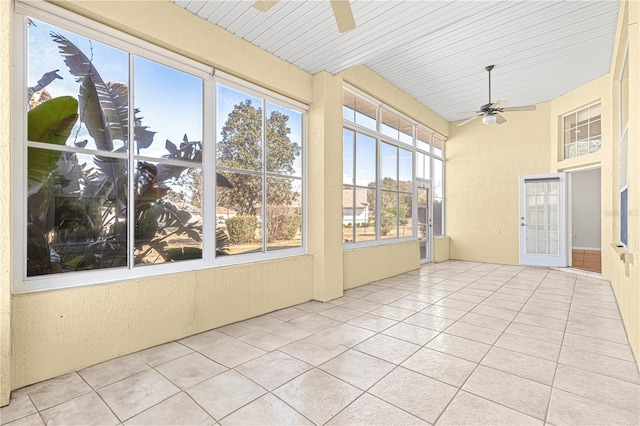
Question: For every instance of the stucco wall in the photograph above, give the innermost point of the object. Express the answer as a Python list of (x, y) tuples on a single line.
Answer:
[(481, 192), (624, 277), (364, 265)]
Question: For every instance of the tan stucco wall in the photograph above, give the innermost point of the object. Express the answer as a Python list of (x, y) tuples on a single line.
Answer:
[(626, 283), (55, 332), (441, 249), (362, 266), (5, 202), (481, 191)]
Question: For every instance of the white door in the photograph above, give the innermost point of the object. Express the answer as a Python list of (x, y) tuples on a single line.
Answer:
[(542, 220), (425, 229)]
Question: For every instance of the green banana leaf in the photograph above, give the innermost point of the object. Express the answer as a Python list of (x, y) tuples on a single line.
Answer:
[(50, 122)]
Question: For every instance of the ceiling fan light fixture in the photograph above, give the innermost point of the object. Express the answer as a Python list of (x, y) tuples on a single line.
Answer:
[(489, 119)]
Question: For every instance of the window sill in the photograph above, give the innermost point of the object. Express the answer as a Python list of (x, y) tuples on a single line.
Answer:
[(625, 256)]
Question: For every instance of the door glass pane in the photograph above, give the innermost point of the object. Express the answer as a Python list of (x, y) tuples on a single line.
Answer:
[(541, 218), (423, 218)]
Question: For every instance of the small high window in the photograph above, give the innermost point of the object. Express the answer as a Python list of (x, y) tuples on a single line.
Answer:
[(582, 131)]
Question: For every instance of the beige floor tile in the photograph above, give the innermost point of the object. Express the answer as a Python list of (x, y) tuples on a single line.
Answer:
[(369, 410), (409, 304), (459, 346), (84, 410), (361, 305), (234, 330), (602, 347), (261, 323), (373, 322), (568, 409), (341, 313), (358, 369), (485, 321), (456, 304), (536, 333), (392, 312), (135, 394), (444, 312), (264, 341), (388, 348), (515, 392), (607, 390), (616, 335), (411, 333), (498, 301), (288, 331), (314, 322), (533, 347), (163, 353), (466, 297), (440, 366), (409, 390), (598, 312), (344, 334), (559, 314), (225, 393), (493, 311), (190, 370), (381, 298), (549, 304), (468, 409), (204, 340), (474, 332), (57, 390), (180, 409), (600, 364), (317, 395), (273, 369), (108, 372), (312, 351), (20, 406), (425, 296), (541, 321), (429, 321), (231, 353), (266, 410), (32, 420), (527, 366)]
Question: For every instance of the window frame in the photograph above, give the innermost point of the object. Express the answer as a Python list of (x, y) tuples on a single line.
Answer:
[(134, 47), (564, 131), (623, 216), (398, 144)]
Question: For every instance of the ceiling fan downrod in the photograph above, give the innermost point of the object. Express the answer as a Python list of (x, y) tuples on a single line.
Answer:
[(489, 68)]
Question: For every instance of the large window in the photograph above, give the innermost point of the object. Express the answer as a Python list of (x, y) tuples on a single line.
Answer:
[(582, 131), (126, 167), (624, 154), (380, 148)]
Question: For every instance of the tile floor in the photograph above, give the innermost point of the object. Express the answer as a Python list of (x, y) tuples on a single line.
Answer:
[(451, 343)]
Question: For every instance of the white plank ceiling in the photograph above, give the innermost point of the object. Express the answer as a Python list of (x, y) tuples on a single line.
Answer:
[(436, 51)]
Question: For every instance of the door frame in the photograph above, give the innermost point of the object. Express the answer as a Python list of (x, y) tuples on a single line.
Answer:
[(428, 183), (544, 260), (569, 230)]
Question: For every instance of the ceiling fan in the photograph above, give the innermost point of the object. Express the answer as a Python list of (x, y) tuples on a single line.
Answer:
[(341, 11), (489, 111)]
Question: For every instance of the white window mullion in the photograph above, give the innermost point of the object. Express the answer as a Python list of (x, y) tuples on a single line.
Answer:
[(209, 173), (263, 228), (131, 167)]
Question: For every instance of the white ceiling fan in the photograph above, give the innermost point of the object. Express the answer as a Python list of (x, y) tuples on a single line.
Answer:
[(490, 111), (341, 11)]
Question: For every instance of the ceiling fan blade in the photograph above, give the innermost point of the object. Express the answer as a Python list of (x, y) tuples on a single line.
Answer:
[(264, 5), (496, 104), (343, 14), (500, 119), (468, 120), (520, 108)]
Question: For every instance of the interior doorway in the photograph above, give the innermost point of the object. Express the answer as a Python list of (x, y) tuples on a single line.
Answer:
[(585, 219)]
